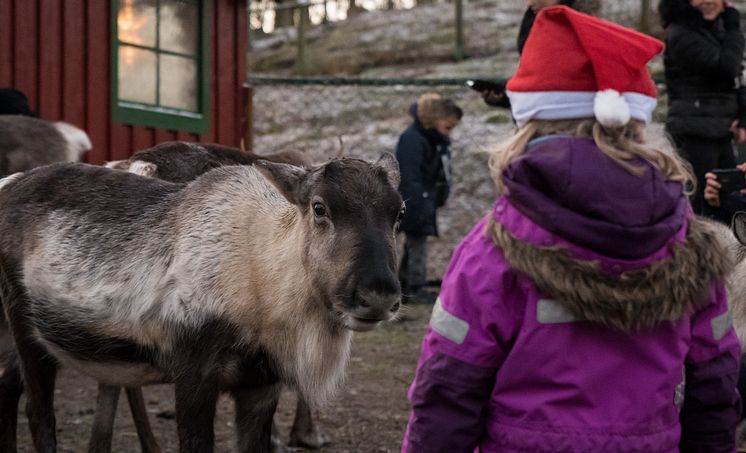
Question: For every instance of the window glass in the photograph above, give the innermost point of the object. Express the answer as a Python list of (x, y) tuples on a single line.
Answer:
[(178, 26), (178, 82), (137, 75)]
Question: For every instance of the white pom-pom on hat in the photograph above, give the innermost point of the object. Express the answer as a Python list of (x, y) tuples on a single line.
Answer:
[(611, 109)]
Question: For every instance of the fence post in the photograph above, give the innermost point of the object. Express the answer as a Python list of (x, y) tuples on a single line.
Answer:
[(645, 16), (459, 54), (300, 60)]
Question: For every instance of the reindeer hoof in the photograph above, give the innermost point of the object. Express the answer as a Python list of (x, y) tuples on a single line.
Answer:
[(313, 440)]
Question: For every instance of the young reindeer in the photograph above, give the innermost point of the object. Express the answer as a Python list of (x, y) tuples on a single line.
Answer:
[(27, 143), (244, 279), (178, 161)]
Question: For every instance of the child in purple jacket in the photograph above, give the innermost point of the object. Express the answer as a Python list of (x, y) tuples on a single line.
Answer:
[(587, 312)]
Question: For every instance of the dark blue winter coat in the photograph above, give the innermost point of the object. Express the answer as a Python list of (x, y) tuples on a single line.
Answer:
[(424, 162)]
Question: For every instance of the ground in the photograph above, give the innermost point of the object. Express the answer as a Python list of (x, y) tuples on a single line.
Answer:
[(369, 414)]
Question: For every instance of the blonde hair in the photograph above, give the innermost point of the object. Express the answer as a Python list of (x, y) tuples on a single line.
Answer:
[(432, 107), (620, 144)]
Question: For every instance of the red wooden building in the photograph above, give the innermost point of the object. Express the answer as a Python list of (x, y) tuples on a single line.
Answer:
[(131, 73)]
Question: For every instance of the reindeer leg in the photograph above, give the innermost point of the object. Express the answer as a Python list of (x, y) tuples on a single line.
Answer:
[(306, 432), (140, 417), (255, 408), (103, 423), (39, 373), (196, 400), (11, 388)]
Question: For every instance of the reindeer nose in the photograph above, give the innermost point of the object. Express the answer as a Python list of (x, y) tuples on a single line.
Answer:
[(378, 304)]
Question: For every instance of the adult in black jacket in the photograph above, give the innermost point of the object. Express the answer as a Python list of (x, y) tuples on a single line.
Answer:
[(533, 7), (706, 98), (424, 163)]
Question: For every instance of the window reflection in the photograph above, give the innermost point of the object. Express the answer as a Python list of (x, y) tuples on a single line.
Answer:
[(137, 75), (136, 22)]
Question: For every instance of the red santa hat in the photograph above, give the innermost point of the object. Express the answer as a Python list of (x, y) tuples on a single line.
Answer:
[(577, 66)]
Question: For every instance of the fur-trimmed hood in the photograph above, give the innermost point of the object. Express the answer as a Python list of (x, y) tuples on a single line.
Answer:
[(614, 247), (632, 300)]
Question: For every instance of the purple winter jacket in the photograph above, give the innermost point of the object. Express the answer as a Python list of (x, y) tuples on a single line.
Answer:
[(585, 314)]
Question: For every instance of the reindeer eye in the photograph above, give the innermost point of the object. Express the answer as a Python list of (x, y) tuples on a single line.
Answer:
[(319, 209)]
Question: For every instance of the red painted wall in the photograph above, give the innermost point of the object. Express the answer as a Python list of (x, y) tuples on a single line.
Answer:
[(58, 53)]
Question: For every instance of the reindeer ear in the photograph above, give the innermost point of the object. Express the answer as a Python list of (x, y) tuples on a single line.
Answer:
[(388, 162), (738, 225), (287, 178)]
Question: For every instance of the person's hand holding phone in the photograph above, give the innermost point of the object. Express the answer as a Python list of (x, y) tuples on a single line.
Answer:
[(493, 93), (733, 181), (492, 98)]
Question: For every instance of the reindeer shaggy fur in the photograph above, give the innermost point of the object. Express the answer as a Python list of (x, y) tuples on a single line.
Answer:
[(239, 280), (26, 143)]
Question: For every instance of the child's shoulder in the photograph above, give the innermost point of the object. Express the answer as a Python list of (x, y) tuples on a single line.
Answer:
[(477, 261)]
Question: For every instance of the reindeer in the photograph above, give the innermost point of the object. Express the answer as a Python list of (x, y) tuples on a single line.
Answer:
[(736, 245), (179, 161), (246, 278), (184, 161), (176, 162), (26, 143)]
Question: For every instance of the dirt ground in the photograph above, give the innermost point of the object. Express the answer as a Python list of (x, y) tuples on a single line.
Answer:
[(368, 415)]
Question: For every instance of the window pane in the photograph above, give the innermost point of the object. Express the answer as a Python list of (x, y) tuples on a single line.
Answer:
[(136, 22), (137, 75), (179, 26), (178, 82)]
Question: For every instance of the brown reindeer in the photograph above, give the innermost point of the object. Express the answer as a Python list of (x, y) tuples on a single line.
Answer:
[(179, 161), (239, 281)]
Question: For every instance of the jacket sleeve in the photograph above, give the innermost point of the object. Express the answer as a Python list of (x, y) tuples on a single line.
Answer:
[(712, 405), (410, 152), (468, 338), (700, 55)]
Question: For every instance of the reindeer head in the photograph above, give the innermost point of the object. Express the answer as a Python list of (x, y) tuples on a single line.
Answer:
[(350, 210)]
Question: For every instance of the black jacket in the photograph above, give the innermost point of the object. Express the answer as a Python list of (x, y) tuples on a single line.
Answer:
[(424, 163), (703, 64)]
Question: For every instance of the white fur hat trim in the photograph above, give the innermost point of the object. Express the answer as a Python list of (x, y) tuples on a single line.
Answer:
[(611, 109)]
